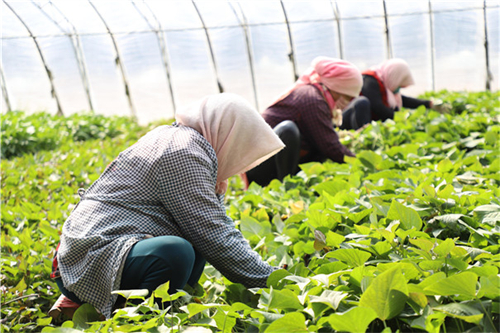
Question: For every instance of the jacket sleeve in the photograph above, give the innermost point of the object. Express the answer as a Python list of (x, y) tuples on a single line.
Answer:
[(413, 103), (317, 128), (186, 186), (371, 90)]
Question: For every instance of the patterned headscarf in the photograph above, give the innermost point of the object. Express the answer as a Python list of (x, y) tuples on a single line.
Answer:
[(338, 75), (237, 132), (394, 73)]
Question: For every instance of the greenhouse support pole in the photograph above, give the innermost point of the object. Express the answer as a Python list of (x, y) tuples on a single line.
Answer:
[(219, 84), (291, 55), (47, 70), (489, 76), (336, 12), (77, 49), (431, 23), (160, 35), (4, 89), (118, 62), (387, 35), (244, 26)]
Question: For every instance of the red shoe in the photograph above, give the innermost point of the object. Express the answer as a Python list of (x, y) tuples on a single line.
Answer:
[(65, 306)]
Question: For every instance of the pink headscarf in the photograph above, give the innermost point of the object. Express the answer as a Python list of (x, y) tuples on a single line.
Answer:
[(237, 132), (338, 75), (394, 73)]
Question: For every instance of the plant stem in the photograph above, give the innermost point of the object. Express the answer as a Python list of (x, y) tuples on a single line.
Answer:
[(21, 297), (172, 313), (487, 315), (225, 318), (459, 324), (446, 265)]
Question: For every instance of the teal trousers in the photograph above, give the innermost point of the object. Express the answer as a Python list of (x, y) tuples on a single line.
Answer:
[(154, 261)]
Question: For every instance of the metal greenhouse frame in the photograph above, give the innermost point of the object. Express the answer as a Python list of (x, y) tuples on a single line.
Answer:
[(155, 26)]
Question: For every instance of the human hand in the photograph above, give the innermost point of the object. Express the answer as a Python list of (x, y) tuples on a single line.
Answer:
[(337, 117), (440, 106)]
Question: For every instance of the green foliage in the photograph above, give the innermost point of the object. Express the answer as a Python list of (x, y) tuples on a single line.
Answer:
[(404, 237), (22, 133)]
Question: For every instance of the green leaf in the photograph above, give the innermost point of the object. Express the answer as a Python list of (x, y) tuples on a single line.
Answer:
[(419, 299), (195, 329), (353, 320), (284, 299), (225, 322), (252, 227), (289, 323), (490, 286), (276, 276), (387, 294), (85, 314), (60, 330), (329, 297), (422, 243), (162, 292), (43, 321), (48, 230), (408, 217), (332, 187), (430, 280), (132, 293), (370, 159), (489, 214), (445, 165), (445, 247), (194, 308), (20, 287), (461, 311), (352, 257), (334, 239), (460, 284)]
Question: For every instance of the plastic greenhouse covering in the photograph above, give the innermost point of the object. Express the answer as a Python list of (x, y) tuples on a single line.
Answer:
[(148, 58)]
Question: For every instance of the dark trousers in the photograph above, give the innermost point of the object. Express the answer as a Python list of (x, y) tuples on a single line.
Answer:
[(357, 114), (283, 163), (154, 261)]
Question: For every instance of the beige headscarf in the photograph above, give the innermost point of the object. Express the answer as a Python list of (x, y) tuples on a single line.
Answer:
[(237, 132), (394, 73)]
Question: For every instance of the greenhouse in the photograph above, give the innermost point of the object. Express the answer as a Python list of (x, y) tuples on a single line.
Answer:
[(157, 56), (250, 166)]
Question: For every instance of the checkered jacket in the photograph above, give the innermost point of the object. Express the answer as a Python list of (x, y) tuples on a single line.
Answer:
[(162, 185)]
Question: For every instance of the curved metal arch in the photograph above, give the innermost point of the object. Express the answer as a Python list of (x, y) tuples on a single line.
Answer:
[(291, 55), (77, 49), (433, 48), (489, 75), (160, 35), (4, 89), (47, 70), (118, 62), (219, 84), (387, 35), (244, 26), (336, 13)]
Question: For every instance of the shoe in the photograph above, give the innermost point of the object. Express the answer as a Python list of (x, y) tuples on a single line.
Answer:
[(64, 306)]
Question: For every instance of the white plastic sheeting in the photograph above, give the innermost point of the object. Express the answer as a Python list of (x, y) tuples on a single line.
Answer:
[(147, 58)]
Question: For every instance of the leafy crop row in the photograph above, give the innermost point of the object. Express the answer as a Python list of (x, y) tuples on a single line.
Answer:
[(403, 237), (22, 133)]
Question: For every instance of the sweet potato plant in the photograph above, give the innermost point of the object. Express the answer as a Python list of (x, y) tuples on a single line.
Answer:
[(402, 238)]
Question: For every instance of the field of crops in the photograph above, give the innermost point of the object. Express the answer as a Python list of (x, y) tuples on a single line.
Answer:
[(404, 237)]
